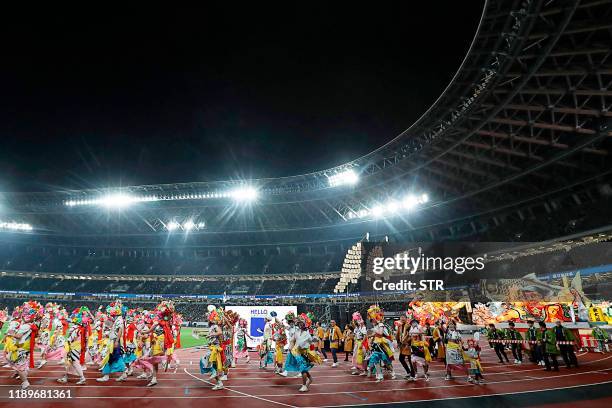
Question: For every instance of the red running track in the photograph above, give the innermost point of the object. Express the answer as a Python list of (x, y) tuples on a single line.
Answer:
[(250, 387)]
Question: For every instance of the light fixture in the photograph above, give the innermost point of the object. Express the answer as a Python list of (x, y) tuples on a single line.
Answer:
[(378, 211), (346, 177), (172, 225), (390, 207), (244, 194), (410, 201), (15, 226)]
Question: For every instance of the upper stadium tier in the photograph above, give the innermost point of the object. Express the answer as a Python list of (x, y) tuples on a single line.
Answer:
[(524, 128)]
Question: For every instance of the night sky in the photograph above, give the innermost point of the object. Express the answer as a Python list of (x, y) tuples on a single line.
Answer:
[(108, 97)]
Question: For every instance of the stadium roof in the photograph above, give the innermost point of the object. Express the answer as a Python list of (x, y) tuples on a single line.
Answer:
[(526, 117)]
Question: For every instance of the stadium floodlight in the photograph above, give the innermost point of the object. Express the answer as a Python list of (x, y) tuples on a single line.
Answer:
[(392, 206), (172, 225), (378, 211), (188, 225), (347, 177), (15, 226), (410, 201), (244, 194), (117, 200)]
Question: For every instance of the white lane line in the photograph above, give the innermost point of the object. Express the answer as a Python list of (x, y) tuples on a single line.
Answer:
[(328, 383), (466, 397), (241, 393)]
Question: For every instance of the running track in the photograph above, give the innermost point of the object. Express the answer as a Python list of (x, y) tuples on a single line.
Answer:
[(249, 387)]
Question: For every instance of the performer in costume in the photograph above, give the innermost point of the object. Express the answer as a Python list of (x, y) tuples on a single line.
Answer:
[(129, 355), (335, 339), (549, 345), (320, 333), (211, 362), (113, 354), (567, 350), (302, 357), (438, 340), (535, 349), (280, 341), (348, 341), (162, 341), (290, 330), (403, 339), (380, 343), (177, 324), (419, 354), (473, 358), (94, 339), (359, 350), (454, 351), (228, 319), (76, 345), (517, 348), (21, 351), (4, 316), (166, 312), (46, 329), (495, 334), (266, 355), (144, 325), (8, 342), (241, 350), (598, 334), (55, 350)]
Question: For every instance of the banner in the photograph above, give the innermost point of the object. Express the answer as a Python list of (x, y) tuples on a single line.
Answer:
[(255, 317), (454, 354)]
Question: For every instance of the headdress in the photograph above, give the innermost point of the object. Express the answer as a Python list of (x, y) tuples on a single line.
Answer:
[(16, 314), (375, 313), (148, 316), (230, 317), (357, 317), (290, 317), (305, 319), (165, 310), (213, 314), (31, 311), (3, 315), (177, 319), (81, 316), (242, 323), (131, 316), (115, 308)]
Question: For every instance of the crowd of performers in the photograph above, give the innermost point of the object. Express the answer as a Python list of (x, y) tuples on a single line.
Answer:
[(113, 340), (121, 342), (227, 343)]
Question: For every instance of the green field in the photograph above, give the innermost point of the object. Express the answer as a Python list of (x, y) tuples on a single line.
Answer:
[(187, 339)]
